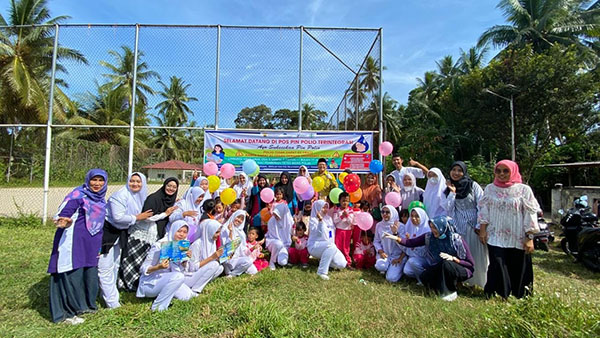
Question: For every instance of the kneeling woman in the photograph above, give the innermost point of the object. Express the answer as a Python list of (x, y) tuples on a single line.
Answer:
[(321, 240), (241, 261), (279, 236), (390, 256), (204, 265), (448, 256), (164, 279)]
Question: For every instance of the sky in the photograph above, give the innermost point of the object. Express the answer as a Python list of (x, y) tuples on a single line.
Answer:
[(261, 66)]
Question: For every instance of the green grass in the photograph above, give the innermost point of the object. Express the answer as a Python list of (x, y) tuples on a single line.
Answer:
[(295, 302)]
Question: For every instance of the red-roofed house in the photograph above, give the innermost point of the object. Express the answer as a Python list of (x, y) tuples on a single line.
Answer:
[(172, 168)]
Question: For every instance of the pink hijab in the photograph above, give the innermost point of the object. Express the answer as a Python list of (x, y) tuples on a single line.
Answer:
[(515, 176)]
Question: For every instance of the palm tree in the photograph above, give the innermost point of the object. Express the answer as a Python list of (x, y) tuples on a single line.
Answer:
[(174, 107), (472, 59), (121, 76), (543, 23), (370, 75), (448, 71), (312, 118), (26, 62)]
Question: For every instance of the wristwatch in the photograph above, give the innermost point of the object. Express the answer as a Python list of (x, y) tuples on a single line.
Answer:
[(530, 236)]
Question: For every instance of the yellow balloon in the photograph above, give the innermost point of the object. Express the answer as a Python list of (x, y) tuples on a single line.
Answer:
[(213, 183), (343, 176), (228, 196), (318, 183)]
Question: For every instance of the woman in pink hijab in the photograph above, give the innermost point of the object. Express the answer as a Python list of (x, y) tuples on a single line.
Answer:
[(508, 218)]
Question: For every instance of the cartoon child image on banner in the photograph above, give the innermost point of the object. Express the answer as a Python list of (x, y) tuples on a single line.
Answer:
[(361, 146)]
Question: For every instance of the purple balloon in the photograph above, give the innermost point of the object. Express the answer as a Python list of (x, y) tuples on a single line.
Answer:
[(308, 194)]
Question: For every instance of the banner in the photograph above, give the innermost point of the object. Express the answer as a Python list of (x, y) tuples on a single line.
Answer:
[(278, 151)]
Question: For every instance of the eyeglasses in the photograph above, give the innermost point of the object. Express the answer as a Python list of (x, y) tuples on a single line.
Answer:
[(502, 171), (385, 212)]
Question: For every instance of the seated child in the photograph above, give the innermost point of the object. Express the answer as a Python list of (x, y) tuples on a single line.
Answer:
[(364, 252), (299, 251), (255, 248)]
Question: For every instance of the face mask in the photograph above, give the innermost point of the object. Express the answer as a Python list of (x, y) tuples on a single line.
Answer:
[(434, 180), (408, 188)]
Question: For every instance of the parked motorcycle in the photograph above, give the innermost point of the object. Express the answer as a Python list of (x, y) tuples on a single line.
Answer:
[(542, 239), (581, 233)]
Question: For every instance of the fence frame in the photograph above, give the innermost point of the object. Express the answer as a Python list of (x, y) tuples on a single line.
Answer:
[(132, 127)]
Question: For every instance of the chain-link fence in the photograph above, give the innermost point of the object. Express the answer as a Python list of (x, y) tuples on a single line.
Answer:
[(187, 78)]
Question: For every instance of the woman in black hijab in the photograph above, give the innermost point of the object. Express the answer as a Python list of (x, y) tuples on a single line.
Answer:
[(285, 183), (145, 233)]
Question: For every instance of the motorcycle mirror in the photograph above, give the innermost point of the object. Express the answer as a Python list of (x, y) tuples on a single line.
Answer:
[(561, 211)]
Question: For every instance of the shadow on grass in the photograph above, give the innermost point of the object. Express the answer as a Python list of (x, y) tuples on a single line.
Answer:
[(556, 261), (38, 297)]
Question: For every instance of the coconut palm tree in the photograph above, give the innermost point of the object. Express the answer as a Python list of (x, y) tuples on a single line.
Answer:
[(370, 75), (26, 61), (121, 75), (472, 59), (174, 107)]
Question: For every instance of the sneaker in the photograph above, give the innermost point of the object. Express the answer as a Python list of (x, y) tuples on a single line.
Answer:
[(74, 320), (419, 283), (231, 276), (304, 266), (323, 277), (272, 267), (451, 297)]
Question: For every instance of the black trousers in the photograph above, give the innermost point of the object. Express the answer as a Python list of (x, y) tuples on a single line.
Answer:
[(73, 292), (444, 276), (510, 272)]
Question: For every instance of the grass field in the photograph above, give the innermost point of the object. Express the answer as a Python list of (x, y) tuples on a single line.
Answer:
[(295, 302)]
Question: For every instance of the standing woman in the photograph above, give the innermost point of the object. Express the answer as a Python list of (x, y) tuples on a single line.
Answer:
[(285, 183), (372, 191), (73, 263), (255, 204), (145, 233), (243, 188), (303, 171), (321, 240), (123, 210), (508, 218), (461, 199), (434, 196), (409, 190)]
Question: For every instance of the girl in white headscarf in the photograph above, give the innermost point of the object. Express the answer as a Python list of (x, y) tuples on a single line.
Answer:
[(190, 209), (418, 224), (434, 195), (279, 235), (409, 191), (124, 209), (241, 261), (204, 261), (321, 240), (390, 255), (164, 279)]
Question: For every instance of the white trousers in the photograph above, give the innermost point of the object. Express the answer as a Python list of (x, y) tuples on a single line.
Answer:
[(108, 272), (198, 280), (279, 253), (414, 267), (165, 289), (393, 272), (238, 265), (329, 255)]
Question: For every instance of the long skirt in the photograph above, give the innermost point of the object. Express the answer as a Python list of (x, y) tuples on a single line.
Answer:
[(73, 292), (443, 277), (510, 272), (480, 258), (133, 257)]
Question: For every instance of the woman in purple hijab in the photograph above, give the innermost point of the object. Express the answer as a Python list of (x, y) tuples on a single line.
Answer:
[(73, 263)]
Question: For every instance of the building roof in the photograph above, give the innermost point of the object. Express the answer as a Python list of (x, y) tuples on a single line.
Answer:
[(174, 165)]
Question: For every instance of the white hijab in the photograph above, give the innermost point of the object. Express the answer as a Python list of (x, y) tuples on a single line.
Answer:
[(319, 229), (416, 230), (306, 173), (132, 201), (281, 229), (238, 232), (188, 203), (175, 226), (207, 230), (239, 187), (390, 246), (432, 197)]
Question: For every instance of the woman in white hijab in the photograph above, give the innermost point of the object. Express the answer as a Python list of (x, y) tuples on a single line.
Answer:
[(418, 224), (321, 240), (189, 209), (390, 258), (409, 191), (204, 263), (124, 209), (279, 235), (434, 195), (241, 261), (164, 279)]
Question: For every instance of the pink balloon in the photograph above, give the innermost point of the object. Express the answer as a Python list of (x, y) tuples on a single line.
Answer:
[(210, 168), (308, 194), (393, 198), (266, 195), (227, 170), (386, 148), (364, 220), (301, 184)]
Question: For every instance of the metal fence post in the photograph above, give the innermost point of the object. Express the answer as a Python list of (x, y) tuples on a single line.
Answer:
[(49, 129), (300, 79), (356, 102), (218, 66), (381, 101), (345, 111), (133, 97)]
